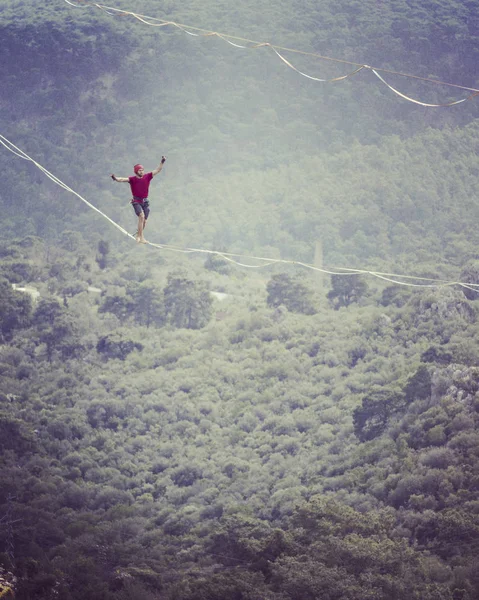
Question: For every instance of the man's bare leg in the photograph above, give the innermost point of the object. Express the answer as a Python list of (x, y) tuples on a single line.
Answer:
[(141, 226)]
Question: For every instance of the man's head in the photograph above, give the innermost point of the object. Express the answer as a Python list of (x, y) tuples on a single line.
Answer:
[(139, 170)]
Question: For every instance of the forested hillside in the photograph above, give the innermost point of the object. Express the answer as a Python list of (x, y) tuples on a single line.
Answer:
[(157, 443), (176, 426), (259, 158)]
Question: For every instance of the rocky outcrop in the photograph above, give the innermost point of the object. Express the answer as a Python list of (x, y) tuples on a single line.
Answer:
[(456, 382)]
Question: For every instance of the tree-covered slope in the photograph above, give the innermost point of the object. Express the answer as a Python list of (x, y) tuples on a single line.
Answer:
[(298, 439), (142, 456)]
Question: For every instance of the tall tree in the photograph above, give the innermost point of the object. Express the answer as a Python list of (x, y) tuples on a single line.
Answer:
[(147, 303), (188, 303), (290, 291), (346, 289), (15, 309)]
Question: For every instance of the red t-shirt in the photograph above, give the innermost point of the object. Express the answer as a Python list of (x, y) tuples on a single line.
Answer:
[(140, 186)]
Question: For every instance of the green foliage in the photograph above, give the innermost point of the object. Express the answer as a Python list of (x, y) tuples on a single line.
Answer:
[(418, 386), (185, 476), (214, 262), (180, 464), (202, 445), (470, 274), (146, 304), (103, 252), (394, 295), (46, 313), (117, 345), (284, 289), (120, 306), (371, 418), (14, 435), (187, 303), (346, 290), (437, 355), (15, 310)]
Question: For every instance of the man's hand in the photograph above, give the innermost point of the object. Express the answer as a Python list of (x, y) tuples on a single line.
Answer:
[(113, 177), (159, 167)]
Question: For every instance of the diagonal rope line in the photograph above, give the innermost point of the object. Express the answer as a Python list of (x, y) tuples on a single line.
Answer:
[(225, 39), (15, 150), (142, 20), (231, 257), (316, 78), (409, 284), (254, 44), (417, 101), (355, 271)]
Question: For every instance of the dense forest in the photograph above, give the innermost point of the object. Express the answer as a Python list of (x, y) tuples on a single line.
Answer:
[(176, 426)]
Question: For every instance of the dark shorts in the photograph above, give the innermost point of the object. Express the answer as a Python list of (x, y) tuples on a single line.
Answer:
[(141, 207)]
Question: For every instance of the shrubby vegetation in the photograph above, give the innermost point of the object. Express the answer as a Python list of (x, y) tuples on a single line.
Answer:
[(301, 437), (266, 453)]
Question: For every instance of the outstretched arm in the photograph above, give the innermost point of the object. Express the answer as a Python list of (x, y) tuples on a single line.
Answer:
[(159, 167), (120, 179)]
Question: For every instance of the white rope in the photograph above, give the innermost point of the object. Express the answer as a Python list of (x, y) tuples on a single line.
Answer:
[(254, 45), (232, 43), (231, 257), (415, 277), (417, 101), (140, 18), (422, 285), (13, 151), (18, 152), (469, 286), (76, 5), (286, 62)]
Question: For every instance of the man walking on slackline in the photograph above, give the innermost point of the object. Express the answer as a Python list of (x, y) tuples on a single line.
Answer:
[(140, 184)]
